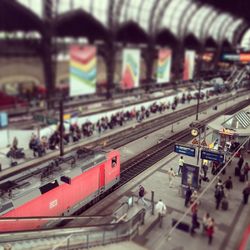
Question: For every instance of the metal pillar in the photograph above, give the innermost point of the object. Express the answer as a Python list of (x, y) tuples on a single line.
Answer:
[(153, 202), (61, 128), (149, 63), (198, 102), (48, 49)]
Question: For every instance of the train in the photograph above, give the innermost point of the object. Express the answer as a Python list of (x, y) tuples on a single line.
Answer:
[(245, 241), (59, 187)]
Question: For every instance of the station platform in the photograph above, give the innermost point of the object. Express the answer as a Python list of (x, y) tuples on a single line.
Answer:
[(23, 140), (230, 224), (127, 151)]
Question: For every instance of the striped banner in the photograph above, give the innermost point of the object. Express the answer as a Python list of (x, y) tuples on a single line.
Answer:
[(164, 65), (189, 64), (82, 70), (130, 68)]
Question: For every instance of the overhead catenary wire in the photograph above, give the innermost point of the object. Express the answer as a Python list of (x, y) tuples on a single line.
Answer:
[(169, 233)]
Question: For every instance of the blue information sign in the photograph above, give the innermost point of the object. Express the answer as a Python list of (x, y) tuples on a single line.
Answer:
[(190, 175), (212, 156), (180, 149)]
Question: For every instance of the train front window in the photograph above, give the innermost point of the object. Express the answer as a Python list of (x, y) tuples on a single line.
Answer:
[(114, 162)]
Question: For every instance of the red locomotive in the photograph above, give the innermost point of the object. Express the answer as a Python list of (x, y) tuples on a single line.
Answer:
[(57, 189)]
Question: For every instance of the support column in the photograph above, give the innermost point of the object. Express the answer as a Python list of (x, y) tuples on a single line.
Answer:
[(110, 68), (48, 51), (150, 63), (178, 62)]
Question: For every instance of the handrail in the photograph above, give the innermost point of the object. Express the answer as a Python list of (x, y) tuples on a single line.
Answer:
[(80, 237)]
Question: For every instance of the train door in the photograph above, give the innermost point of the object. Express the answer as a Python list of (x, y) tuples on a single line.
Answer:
[(102, 176)]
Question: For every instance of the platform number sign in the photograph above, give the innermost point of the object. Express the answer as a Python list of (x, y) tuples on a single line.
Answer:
[(185, 150)]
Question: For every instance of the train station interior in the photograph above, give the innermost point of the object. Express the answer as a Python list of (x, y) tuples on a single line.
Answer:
[(124, 124)]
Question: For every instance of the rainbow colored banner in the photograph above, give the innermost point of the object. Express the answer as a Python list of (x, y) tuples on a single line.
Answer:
[(82, 70), (130, 68), (164, 65), (189, 64)]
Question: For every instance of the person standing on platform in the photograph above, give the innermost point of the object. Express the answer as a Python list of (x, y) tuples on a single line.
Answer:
[(246, 193), (219, 194), (205, 220), (171, 175), (161, 210), (228, 185), (240, 162), (246, 170), (188, 195), (195, 223), (141, 195), (210, 231), (181, 162), (15, 143)]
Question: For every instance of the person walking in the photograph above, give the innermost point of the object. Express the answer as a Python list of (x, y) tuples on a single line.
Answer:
[(141, 195), (240, 162), (15, 143), (195, 223), (171, 175), (205, 220), (246, 170), (181, 162), (161, 210), (188, 195), (210, 231), (219, 194), (246, 193), (228, 185)]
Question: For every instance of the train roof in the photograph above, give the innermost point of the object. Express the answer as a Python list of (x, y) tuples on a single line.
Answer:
[(22, 187)]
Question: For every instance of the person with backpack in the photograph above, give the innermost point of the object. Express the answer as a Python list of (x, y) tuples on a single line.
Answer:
[(228, 185), (141, 195)]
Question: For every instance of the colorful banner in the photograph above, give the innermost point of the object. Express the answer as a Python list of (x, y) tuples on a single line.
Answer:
[(164, 65), (189, 64), (130, 68), (82, 70)]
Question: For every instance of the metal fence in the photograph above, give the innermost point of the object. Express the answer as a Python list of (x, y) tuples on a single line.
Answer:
[(74, 238)]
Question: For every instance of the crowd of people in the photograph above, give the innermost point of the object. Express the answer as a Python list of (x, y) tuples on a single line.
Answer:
[(76, 132), (39, 146)]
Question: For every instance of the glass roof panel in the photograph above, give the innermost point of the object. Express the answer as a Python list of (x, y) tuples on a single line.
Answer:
[(197, 21), (177, 16), (230, 32), (100, 11), (216, 26), (145, 14), (34, 5), (188, 17), (245, 41), (205, 29), (225, 26)]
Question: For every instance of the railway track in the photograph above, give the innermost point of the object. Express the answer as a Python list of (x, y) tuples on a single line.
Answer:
[(128, 135), (133, 167)]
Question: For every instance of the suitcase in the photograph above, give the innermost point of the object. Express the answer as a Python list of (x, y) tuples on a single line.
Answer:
[(237, 171), (242, 177), (224, 205), (181, 226)]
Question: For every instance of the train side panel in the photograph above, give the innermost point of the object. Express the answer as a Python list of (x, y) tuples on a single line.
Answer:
[(56, 201)]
